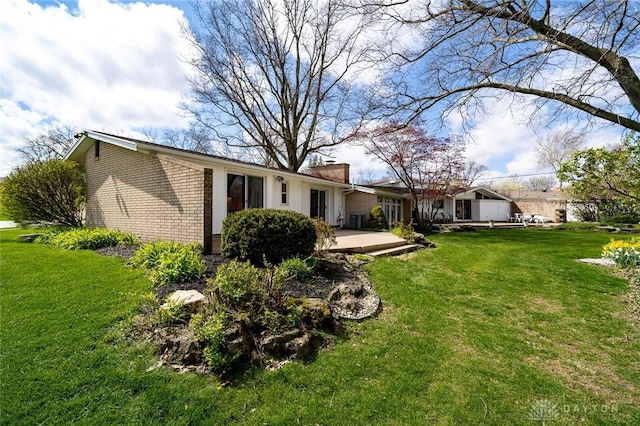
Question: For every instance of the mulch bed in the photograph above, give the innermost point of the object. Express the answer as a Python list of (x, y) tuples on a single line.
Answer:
[(331, 271)]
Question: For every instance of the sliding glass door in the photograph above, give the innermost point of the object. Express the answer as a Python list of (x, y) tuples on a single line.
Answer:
[(244, 191), (318, 204)]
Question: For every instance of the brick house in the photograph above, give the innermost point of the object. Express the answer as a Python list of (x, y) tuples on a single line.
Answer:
[(160, 192), (551, 204), (392, 196)]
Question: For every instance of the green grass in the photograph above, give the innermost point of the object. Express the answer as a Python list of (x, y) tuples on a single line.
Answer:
[(477, 331)]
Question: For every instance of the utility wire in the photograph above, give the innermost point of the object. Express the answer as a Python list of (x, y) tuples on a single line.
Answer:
[(516, 175)]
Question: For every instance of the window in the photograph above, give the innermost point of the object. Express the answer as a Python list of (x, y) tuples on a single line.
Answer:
[(284, 190), (235, 193), (255, 192), (438, 204), (244, 192), (392, 209), (96, 150)]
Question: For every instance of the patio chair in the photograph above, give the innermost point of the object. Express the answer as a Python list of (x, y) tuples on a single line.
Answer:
[(445, 217)]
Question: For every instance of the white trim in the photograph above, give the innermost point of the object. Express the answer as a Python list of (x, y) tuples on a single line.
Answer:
[(146, 148), (480, 188)]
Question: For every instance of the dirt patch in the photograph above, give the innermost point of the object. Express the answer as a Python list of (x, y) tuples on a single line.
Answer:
[(597, 379), (545, 305), (598, 261)]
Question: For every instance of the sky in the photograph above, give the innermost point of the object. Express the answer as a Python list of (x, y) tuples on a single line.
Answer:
[(118, 66)]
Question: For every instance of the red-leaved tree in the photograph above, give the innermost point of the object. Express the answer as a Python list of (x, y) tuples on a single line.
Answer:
[(427, 165)]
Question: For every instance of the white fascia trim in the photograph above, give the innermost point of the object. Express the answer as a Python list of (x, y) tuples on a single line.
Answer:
[(75, 146), (133, 146), (364, 189), (142, 147)]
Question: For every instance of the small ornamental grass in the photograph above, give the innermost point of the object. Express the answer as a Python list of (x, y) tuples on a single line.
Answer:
[(404, 231), (86, 238), (296, 268), (625, 253), (325, 235), (169, 262)]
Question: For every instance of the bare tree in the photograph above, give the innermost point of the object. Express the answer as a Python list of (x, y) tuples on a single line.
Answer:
[(428, 166), (366, 176), (512, 183), (272, 75), (557, 148), (472, 172), (541, 183), (49, 146), (195, 139), (575, 56)]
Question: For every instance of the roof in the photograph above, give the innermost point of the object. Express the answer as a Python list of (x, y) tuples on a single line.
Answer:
[(369, 189), (86, 139), (482, 189), (523, 194)]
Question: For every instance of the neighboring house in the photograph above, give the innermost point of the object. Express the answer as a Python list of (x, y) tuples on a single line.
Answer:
[(476, 204), (160, 192), (472, 204), (392, 197), (551, 204)]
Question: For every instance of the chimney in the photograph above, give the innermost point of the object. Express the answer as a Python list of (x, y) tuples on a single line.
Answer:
[(337, 172)]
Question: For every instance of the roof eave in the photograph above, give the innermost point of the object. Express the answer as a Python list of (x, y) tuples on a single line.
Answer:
[(87, 139)]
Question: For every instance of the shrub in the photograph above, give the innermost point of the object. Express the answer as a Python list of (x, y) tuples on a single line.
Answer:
[(172, 313), (240, 286), (296, 268), (48, 191), (377, 219), (253, 295), (209, 330), (404, 231), (267, 235), (625, 253), (325, 235), (621, 218), (86, 238), (169, 262)]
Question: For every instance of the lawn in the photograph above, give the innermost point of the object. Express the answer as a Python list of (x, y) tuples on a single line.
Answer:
[(492, 327)]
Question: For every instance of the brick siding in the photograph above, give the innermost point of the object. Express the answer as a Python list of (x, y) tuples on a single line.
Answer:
[(546, 208), (153, 196), (358, 203)]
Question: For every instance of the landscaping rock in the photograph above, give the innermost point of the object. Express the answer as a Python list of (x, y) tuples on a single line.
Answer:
[(236, 342), (192, 299), (317, 314), (292, 344), (354, 301), (27, 238), (180, 348)]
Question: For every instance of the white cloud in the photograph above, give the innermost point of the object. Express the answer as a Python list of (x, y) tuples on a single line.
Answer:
[(106, 66), (358, 161), (505, 140)]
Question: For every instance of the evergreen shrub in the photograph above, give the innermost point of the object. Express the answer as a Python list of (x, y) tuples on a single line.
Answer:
[(267, 236)]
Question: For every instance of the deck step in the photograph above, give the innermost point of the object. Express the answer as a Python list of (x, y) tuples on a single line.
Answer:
[(395, 250), (370, 248)]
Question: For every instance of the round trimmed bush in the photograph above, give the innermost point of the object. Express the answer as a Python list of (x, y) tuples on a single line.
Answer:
[(377, 219), (270, 235)]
